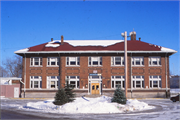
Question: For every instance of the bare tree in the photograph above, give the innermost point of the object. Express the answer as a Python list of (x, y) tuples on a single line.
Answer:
[(3, 72), (14, 66)]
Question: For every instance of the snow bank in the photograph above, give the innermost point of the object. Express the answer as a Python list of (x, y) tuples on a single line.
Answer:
[(94, 105), (3, 97)]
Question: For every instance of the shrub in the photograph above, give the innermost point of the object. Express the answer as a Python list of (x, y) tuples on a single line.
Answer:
[(69, 92), (61, 97), (119, 96)]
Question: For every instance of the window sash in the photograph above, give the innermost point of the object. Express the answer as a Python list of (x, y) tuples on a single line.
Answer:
[(52, 82), (95, 61), (73, 81), (116, 81), (117, 61), (52, 61), (72, 61), (35, 82), (137, 61), (155, 81), (138, 81), (36, 61), (154, 61)]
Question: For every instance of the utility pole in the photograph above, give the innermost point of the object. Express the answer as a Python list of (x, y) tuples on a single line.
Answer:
[(125, 61)]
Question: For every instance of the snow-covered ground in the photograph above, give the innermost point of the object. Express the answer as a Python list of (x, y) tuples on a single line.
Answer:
[(88, 105), (164, 109)]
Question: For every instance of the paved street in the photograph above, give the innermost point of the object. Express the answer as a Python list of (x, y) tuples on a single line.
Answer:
[(165, 109)]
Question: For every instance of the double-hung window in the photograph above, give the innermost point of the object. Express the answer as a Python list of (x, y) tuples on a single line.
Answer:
[(72, 61), (154, 81), (137, 61), (36, 61), (117, 61), (154, 61), (95, 61), (138, 81), (73, 81), (52, 61), (117, 81), (52, 82), (35, 82)]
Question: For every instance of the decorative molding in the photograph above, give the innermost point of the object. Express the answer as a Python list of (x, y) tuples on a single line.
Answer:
[(117, 71), (72, 71), (138, 71), (155, 70)]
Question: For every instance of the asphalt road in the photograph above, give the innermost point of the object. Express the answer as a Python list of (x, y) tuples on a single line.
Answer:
[(7, 114)]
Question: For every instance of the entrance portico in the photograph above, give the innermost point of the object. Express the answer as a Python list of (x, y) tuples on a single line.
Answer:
[(95, 84)]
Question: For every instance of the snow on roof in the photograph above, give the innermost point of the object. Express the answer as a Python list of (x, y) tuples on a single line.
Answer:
[(22, 50), (93, 42), (54, 44), (167, 50)]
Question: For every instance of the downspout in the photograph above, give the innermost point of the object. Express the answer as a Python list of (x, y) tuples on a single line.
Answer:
[(131, 75), (59, 83), (166, 73), (24, 75)]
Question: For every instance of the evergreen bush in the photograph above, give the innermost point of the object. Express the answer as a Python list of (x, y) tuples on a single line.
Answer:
[(61, 97), (119, 96), (69, 92)]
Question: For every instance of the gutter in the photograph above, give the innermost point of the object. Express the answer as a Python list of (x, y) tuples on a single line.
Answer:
[(106, 51)]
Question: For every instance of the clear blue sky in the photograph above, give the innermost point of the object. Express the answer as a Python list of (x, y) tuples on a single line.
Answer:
[(25, 24)]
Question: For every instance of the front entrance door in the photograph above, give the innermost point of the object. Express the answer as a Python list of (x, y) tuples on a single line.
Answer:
[(94, 88)]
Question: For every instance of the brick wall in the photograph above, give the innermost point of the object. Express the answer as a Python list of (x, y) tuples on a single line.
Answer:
[(83, 70)]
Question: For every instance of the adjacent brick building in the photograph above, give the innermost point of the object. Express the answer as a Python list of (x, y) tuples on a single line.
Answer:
[(96, 67)]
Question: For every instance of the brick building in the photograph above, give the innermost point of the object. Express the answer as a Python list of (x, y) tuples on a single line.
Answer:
[(96, 67)]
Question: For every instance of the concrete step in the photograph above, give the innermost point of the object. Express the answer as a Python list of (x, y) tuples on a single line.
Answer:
[(92, 96)]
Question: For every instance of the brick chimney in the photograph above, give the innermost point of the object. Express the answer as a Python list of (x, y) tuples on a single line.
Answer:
[(62, 39), (133, 35), (51, 39)]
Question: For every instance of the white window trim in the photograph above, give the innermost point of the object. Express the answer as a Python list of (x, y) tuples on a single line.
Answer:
[(76, 60), (158, 58), (155, 79), (99, 57), (99, 77), (113, 62), (138, 79), (34, 79), (141, 60), (34, 62), (56, 61), (49, 79), (117, 79), (76, 81)]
